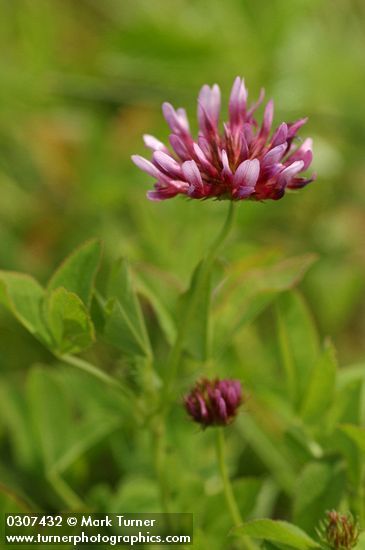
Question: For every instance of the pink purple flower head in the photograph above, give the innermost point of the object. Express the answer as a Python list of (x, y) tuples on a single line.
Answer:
[(214, 402), (241, 160)]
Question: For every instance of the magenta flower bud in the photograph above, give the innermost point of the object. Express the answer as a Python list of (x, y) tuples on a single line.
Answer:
[(214, 402), (243, 160)]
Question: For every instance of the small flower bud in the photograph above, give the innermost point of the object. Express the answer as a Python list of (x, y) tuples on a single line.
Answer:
[(214, 402), (339, 531)]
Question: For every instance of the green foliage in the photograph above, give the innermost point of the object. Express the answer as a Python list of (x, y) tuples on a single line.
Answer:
[(193, 320), (299, 344), (163, 316), (321, 387), (24, 297), (254, 287), (270, 453), (124, 325), (80, 83), (77, 273), (355, 434), (300, 433), (68, 321), (320, 487), (58, 317)]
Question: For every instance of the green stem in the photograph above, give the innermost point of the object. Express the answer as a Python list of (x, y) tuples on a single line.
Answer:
[(69, 497), (228, 491), (159, 435), (176, 351), (96, 372), (221, 237), (90, 369)]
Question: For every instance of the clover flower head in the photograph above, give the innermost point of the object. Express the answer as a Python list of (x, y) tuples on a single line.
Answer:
[(214, 402), (242, 161), (339, 531)]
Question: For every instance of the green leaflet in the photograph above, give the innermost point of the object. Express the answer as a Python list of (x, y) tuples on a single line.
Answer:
[(193, 314), (68, 321), (321, 386), (280, 532), (23, 296), (319, 488), (124, 325), (58, 317), (299, 344), (356, 434), (77, 272), (248, 290)]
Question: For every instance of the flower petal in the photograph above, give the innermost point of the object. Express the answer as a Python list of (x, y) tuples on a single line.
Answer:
[(226, 172), (167, 163), (205, 147), (162, 193), (305, 156), (257, 104), (295, 126), (180, 146), (147, 166), (167, 189), (177, 120), (237, 101), (247, 175), (280, 135), (274, 155), (154, 144), (192, 174), (267, 122), (288, 173), (209, 104), (204, 162), (298, 183), (304, 153), (159, 195)]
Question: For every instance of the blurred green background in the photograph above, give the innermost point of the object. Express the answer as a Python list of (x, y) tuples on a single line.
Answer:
[(81, 81)]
